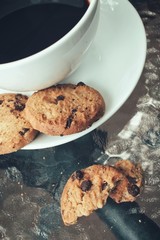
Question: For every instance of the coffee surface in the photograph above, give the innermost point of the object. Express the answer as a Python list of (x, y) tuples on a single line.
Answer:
[(31, 29)]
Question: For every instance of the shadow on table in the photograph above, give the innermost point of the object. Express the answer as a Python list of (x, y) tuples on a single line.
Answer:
[(127, 222)]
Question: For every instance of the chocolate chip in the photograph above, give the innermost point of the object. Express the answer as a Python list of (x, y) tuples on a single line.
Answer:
[(69, 121), (132, 179), (104, 185), (1, 101), (18, 96), (19, 106), (80, 84), (79, 174), (86, 185), (74, 110), (133, 190), (70, 118), (60, 98), (24, 130)]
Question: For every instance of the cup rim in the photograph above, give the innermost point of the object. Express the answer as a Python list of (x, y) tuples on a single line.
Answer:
[(57, 44)]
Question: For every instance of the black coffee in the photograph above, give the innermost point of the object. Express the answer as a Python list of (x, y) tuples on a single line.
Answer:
[(32, 29)]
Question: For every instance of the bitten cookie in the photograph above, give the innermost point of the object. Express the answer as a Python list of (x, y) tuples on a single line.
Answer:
[(64, 109), (87, 190), (128, 189), (15, 130)]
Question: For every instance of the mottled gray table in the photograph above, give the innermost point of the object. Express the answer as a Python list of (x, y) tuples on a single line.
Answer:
[(31, 182)]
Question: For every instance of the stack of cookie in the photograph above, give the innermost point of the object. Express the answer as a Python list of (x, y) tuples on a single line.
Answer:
[(88, 189), (59, 110)]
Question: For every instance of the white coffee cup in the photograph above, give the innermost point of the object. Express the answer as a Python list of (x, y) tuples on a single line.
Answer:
[(54, 63)]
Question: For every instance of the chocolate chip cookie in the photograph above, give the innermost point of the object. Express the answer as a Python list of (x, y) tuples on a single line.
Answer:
[(88, 189), (15, 130), (64, 109)]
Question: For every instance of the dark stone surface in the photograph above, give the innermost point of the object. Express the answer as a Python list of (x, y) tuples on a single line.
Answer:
[(31, 182)]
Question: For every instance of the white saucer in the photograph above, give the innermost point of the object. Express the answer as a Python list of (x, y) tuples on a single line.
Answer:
[(113, 65)]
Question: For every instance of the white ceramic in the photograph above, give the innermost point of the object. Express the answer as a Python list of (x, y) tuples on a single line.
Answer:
[(54, 63), (113, 65)]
